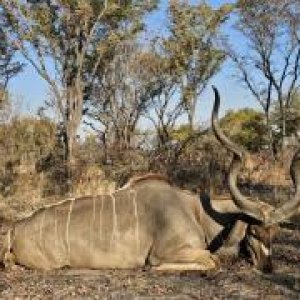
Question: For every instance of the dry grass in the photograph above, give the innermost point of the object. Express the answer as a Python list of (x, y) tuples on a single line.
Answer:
[(236, 280)]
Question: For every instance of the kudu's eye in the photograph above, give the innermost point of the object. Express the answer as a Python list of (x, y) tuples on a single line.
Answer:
[(253, 232)]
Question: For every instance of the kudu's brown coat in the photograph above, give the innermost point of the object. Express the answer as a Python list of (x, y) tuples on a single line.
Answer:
[(149, 221)]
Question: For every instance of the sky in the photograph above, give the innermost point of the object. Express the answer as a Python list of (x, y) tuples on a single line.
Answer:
[(33, 90)]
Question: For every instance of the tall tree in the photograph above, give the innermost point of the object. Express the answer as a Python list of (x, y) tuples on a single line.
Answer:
[(61, 39), (192, 46), (123, 93), (292, 115), (9, 67), (269, 65), (165, 106)]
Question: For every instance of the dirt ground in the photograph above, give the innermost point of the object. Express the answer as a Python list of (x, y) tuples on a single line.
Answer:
[(235, 280)]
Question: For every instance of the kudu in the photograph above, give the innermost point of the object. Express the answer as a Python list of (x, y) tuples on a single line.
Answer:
[(150, 222)]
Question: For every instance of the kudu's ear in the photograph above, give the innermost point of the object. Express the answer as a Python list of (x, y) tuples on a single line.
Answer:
[(274, 229)]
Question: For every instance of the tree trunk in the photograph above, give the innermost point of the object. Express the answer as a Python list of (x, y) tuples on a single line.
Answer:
[(283, 133), (73, 119), (270, 135), (282, 122), (70, 140), (192, 112)]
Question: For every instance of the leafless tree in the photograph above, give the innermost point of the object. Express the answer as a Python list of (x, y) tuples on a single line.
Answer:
[(269, 66), (122, 95)]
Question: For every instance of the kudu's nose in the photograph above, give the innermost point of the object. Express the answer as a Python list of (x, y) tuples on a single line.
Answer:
[(266, 267)]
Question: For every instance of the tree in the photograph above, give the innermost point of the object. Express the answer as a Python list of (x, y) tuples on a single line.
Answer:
[(246, 127), (292, 115), (269, 66), (192, 48), (61, 39), (123, 94), (27, 135), (164, 108), (8, 66)]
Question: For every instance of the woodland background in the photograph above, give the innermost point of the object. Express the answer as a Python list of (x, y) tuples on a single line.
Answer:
[(139, 97)]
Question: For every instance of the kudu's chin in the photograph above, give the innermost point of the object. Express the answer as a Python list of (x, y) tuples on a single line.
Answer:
[(265, 267), (262, 263)]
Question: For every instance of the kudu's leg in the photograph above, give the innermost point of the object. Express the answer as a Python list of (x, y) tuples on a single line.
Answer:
[(8, 259), (188, 260)]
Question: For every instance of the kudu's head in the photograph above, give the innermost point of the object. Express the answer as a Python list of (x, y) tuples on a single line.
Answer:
[(260, 232)]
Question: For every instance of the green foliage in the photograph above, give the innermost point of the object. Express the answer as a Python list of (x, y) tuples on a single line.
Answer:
[(192, 47), (182, 133), (69, 43), (27, 134), (8, 66), (193, 33), (246, 127)]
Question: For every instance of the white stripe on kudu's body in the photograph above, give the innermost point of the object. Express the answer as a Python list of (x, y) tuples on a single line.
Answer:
[(133, 196), (92, 226), (115, 221), (41, 227), (55, 229), (100, 217), (68, 228)]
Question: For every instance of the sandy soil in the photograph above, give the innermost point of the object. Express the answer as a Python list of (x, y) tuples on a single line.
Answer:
[(235, 280)]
